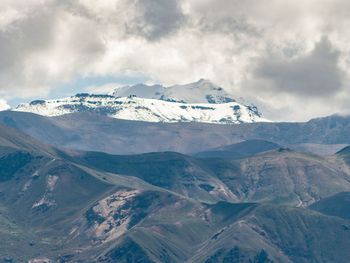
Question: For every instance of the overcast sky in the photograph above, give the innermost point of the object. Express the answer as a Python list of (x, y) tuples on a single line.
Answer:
[(291, 58)]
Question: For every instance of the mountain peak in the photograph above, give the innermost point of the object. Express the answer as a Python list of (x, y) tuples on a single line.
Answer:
[(204, 82), (201, 91)]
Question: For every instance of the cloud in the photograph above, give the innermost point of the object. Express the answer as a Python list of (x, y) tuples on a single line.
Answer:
[(156, 18), (255, 49), (150, 19), (4, 105), (44, 46), (315, 74)]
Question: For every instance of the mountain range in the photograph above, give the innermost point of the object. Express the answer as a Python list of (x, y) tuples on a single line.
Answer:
[(201, 101), (75, 206), (91, 131), (80, 184)]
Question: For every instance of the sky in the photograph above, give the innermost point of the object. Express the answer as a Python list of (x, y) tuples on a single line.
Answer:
[(290, 58)]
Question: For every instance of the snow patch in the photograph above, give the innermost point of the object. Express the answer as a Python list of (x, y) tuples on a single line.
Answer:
[(202, 91), (44, 201), (51, 182), (40, 260), (47, 200)]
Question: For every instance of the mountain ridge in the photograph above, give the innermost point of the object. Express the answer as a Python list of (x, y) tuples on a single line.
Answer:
[(95, 207), (91, 131), (201, 101), (140, 109)]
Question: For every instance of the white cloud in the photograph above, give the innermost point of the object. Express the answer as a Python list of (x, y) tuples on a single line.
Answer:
[(103, 89), (4, 105)]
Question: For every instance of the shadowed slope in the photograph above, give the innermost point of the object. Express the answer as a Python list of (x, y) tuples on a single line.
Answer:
[(239, 150), (336, 205)]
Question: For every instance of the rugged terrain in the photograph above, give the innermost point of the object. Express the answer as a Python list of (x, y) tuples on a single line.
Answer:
[(75, 206), (197, 180)]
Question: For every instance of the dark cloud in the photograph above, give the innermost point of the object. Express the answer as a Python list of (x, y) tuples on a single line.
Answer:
[(236, 27), (150, 19), (315, 74), (157, 18)]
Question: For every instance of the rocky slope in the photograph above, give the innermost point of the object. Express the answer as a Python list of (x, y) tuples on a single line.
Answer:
[(280, 176), (59, 206)]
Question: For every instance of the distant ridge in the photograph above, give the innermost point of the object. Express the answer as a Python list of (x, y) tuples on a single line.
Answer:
[(239, 150)]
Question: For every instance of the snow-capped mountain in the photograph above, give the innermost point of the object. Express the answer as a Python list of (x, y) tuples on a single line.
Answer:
[(143, 109), (202, 91)]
